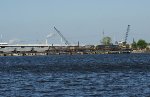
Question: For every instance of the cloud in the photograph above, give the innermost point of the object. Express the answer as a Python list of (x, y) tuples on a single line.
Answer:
[(50, 35), (14, 41)]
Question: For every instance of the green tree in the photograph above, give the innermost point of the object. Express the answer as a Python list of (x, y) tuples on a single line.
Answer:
[(107, 40), (134, 45), (142, 44)]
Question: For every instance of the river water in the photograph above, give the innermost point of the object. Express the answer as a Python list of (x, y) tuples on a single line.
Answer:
[(118, 75)]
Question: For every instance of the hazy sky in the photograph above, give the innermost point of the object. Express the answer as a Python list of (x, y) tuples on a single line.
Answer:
[(78, 20)]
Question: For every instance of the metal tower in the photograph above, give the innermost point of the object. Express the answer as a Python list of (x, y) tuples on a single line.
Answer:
[(63, 38), (128, 29)]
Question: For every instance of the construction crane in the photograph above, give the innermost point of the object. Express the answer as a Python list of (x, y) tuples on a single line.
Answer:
[(128, 29), (62, 37)]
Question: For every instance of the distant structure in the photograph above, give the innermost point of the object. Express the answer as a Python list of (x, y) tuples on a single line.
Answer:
[(101, 41), (126, 36), (1, 38), (62, 37), (1, 41)]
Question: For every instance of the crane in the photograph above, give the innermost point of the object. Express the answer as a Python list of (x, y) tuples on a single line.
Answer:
[(64, 39), (128, 29)]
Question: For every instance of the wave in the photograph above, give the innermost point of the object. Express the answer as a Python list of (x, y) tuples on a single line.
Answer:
[(76, 68), (78, 63)]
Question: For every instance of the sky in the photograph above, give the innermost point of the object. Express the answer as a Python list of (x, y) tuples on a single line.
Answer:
[(33, 21)]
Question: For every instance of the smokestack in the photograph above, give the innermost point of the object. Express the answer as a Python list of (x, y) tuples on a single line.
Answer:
[(78, 44), (46, 42), (1, 38)]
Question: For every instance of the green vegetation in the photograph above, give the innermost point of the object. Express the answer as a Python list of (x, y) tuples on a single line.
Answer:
[(134, 45), (142, 44), (107, 40)]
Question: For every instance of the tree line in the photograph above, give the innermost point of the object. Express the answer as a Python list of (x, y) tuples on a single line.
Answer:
[(140, 44)]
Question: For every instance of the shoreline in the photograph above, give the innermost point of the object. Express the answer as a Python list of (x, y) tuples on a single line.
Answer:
[(67, 53), (40, 50)]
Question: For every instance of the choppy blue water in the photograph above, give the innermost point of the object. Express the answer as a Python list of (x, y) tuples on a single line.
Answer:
[(120, 75)]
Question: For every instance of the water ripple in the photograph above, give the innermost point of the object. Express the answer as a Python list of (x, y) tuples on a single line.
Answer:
[(77, 75)]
